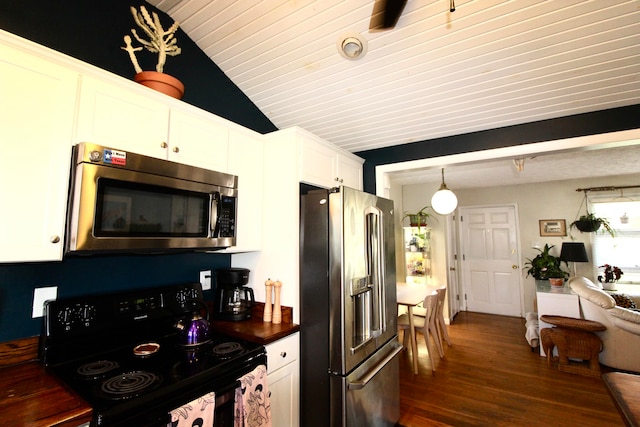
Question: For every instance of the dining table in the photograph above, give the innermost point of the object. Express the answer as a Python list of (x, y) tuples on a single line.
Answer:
[(411, 295)]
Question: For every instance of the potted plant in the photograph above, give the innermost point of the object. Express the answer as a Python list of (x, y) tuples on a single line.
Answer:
[(419, 219), (610, 276), (546, 266), (162, 42), (589, 223)]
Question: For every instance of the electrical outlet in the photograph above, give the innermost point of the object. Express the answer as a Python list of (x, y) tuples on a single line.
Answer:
[(205, 280), (40, 295)]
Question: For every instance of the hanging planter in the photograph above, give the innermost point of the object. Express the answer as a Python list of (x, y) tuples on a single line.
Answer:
[(586, 225), (589, 223)]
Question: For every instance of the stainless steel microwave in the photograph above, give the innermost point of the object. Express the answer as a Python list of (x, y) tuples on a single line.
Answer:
[(125, 202)]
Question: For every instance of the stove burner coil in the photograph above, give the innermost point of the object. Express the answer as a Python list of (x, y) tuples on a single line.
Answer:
[(129, 384), (97, 369), (227, 349)]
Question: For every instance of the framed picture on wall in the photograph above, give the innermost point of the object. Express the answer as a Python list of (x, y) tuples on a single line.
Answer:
[(553, 227)]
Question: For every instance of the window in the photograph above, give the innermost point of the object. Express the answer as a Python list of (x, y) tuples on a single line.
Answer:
[(623, 251)]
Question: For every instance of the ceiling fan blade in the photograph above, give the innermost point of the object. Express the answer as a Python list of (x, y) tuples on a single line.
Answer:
[(386, 13)]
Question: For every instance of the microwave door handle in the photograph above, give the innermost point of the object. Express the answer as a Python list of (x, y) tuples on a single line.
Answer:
[(213, 220)]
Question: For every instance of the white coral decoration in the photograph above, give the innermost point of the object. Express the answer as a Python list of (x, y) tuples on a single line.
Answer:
[(160, 41)]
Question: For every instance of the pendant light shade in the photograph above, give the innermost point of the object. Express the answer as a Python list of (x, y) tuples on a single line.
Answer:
[(444, 201)]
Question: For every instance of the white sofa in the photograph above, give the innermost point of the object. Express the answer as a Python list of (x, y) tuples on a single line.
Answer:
[(621, 340)]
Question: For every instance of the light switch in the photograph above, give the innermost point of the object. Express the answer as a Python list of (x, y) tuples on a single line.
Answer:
[(40, 295)]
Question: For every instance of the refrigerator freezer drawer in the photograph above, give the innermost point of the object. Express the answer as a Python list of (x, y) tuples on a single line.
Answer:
[(370, 395)]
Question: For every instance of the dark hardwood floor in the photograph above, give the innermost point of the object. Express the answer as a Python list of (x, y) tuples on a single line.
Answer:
[(490, 376)]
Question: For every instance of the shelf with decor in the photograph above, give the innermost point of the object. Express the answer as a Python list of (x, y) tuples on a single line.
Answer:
[(417, 254)]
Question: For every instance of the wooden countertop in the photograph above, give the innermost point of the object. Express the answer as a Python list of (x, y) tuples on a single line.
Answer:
[(257, 331), (30, 396)]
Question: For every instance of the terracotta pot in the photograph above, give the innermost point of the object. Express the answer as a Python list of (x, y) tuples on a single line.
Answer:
[(558, 282), (161, 82)]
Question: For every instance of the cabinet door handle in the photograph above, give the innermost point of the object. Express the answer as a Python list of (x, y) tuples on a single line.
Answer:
[(283, 354), (55, 239), (176, 150), (339, 179), (163, 144)]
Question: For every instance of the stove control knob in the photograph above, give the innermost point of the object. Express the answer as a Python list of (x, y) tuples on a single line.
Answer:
[(65, 317), (85, 313)]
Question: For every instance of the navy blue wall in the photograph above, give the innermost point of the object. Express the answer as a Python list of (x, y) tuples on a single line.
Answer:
[(93, 33), (91, 275), (615, 119)]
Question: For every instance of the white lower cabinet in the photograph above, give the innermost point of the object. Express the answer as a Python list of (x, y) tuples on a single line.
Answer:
[(284, 380)]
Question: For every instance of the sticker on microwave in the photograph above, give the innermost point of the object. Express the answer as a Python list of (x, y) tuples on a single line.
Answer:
[(115, 157)]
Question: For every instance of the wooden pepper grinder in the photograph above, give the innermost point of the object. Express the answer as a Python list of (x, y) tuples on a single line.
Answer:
[(266, 317), (277, 309)]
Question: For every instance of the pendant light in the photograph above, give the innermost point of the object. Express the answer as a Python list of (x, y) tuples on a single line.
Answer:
[(444, 201)]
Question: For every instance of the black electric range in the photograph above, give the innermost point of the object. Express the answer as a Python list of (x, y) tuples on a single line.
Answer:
[(120, 353)]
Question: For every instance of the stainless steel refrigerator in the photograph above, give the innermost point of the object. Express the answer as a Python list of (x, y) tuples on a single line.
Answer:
[(349, 368)]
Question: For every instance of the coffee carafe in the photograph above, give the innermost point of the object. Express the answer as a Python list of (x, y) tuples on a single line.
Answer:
[(233, 300)]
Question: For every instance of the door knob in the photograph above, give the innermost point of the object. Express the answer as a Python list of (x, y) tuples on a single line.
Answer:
[(515, 267)]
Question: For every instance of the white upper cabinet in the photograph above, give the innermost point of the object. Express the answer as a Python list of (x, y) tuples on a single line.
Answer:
[(323, 164), (139, 120), (246, 160), (36, 128), (350, 170), (198, 139), (121, 118)]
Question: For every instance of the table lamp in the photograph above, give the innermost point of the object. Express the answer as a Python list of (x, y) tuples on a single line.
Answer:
[(573, 252)]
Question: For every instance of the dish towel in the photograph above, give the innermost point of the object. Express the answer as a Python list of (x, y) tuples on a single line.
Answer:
[(252, 405), (199, 413)]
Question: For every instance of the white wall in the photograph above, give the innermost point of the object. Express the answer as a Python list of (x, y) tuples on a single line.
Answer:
[(550, 200)]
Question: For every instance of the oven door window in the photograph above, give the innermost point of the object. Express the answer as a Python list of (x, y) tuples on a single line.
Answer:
[(129, 209)]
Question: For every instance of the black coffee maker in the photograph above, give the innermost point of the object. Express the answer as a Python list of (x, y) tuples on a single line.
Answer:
[(233, 300)]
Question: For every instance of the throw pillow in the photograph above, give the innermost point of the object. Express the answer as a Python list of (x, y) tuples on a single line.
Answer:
[(624, 301)]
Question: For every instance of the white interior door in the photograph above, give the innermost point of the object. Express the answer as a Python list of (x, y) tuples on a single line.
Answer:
[(491, 279), (453, 287)]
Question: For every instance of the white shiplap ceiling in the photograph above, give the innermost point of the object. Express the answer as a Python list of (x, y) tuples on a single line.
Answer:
[(489, 64)]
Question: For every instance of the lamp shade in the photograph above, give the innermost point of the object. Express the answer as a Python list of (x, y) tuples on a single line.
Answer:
[(444, 201), (573, 251)]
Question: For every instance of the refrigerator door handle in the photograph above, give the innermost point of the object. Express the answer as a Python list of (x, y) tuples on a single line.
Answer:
[(364, 380), (375, 266)]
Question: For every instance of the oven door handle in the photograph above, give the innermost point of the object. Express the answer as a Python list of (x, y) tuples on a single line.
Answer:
[(364, 380)]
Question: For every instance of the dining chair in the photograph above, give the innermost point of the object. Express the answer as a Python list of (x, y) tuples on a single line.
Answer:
[(443, 332), (426, 325)]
